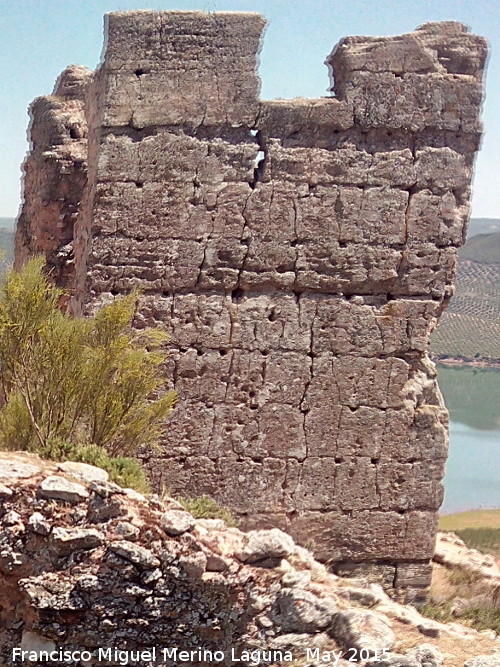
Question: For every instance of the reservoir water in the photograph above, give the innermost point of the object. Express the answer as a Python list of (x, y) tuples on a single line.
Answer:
[(472, 396)]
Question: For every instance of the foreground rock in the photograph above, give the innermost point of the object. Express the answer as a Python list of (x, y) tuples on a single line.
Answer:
[(107, 567), (484, 661), (364, 631), (59, 488), (451, 551)]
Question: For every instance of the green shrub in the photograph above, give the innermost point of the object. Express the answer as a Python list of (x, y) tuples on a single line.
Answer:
[(89, 381), (123, 471), (205, 507), (127, 473)]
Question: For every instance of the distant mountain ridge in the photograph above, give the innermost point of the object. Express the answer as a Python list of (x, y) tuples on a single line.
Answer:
[(470, 328), (7, 223), (483, 248), (482, 226), (6, 243)]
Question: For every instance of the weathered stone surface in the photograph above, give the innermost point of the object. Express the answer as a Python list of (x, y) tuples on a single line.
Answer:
[(424, 655), (361, 629), (59, 488), (299, 253), (12, 518), (427, 655), (30, 641), (296, 579), (393, 660), (136, 554), (84, 472), (104, 488), (12, 470), (49, 591), (483, 661), (66, 541), (376, 74), (414, 575), (5, 492), (56, 174), (194, 565), (39, 524), (335, 535), (452, 551), (261, 544), (301, 611), (176, 522), (151, 57), (127, 531)]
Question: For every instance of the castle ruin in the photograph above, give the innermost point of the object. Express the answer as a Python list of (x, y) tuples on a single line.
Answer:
[(299, 252)]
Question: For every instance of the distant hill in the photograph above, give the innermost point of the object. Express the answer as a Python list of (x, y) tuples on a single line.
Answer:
[(482, 226), (484, 249), (7, 223), (6, 246), (470, 327), (6, 243)]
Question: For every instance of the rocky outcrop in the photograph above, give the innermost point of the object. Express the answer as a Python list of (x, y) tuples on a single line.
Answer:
[(452, 552), (298, 251), (98, 569)]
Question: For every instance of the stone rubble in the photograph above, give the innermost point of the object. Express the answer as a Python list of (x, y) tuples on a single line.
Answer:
[(68, 540), (451, 551), (72, 577), (260, 545), (38, 524)]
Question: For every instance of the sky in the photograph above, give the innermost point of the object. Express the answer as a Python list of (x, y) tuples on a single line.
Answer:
[(39, 38)]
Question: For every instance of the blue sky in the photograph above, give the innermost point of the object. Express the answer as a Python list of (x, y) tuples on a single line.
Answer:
[(41, 37)]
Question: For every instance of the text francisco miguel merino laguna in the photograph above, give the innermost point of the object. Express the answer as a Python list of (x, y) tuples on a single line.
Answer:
[(150, 655)]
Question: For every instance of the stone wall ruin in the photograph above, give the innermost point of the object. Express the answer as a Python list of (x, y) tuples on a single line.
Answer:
[(299, 251)]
